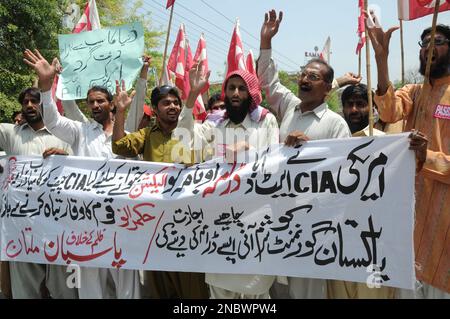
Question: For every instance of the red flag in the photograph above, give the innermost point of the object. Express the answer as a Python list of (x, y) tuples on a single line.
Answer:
[(170, 3), (200, 55), (413, 9), (361, 27), (236, 52), (326, 51), (89, 21), (199, 110), (250, 63), (177, 63)]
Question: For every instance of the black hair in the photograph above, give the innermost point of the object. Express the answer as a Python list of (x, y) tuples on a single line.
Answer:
[(213, 99), (161, 92), (329, 74), (34, 92), (441, 28), (357, 89), (98, 88)]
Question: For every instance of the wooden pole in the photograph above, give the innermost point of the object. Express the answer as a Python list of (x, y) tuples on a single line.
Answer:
[(402, 49), (369, 81), (167, 44), (426, 87), (359, 63)]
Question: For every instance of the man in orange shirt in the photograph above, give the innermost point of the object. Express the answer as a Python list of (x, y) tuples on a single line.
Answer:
[(432, 227)]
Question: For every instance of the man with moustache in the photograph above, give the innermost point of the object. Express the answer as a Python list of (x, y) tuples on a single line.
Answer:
[(90, 139), (432, 227), (244, 125), (28, 280), (156, 144), (302, 118), (355, 107)]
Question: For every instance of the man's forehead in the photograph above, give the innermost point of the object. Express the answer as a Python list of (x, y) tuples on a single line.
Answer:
[(355, 98), (236, 80), (314, 66), (97, 95), (29, 96), (437, 34)]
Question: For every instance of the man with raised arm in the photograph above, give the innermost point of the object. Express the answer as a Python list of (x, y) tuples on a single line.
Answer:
[(91, 139), (249, 126), (302, 118), (432, 227)]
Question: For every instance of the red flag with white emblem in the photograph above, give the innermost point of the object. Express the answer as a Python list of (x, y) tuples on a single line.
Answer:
[(89, 20), (176, 65), (250, 63), (236, 52), (413, 9), (326, 51), (199, 110), (201, 55)]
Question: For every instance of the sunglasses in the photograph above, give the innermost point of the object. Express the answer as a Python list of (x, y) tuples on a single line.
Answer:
[(437, 41)]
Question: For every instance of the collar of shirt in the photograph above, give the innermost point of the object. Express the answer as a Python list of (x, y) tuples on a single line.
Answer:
[(94, 125), (156, 127), (319, 111), (25, 126), (246, 123)]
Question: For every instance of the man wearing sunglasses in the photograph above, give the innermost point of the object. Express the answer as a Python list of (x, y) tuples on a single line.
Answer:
[(29, 280), (432, 227)]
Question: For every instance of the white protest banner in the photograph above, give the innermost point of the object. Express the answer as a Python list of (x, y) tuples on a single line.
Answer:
[(99, 57), (337, 209)]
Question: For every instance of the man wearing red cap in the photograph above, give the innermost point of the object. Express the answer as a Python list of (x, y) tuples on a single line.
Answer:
[(257, 129)]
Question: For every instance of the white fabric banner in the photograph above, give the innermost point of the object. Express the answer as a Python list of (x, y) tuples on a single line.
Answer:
[(335, 209)]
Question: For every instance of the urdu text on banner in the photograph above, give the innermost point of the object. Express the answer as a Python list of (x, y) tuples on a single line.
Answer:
[(334, 209)]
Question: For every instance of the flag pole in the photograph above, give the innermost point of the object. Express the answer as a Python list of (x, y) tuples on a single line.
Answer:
[(426, 81), (402, 49), (369, 81), (167, 43), (359, 63)]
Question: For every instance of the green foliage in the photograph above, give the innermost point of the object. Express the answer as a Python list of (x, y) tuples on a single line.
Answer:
[(289, 81), (24, 24), (36, 23), (333, 102)]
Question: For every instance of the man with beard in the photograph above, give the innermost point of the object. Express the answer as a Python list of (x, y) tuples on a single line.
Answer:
[(243, 115), (155, 144), (244, 125), (302, 118), (91, 139), (29, 281), (432, 227), (355, 107)]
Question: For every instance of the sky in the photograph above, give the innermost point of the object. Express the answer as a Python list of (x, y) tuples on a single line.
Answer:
[(306, 24)]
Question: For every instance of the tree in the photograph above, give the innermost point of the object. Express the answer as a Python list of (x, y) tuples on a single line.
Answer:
[(36, 23), (23, 24)]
